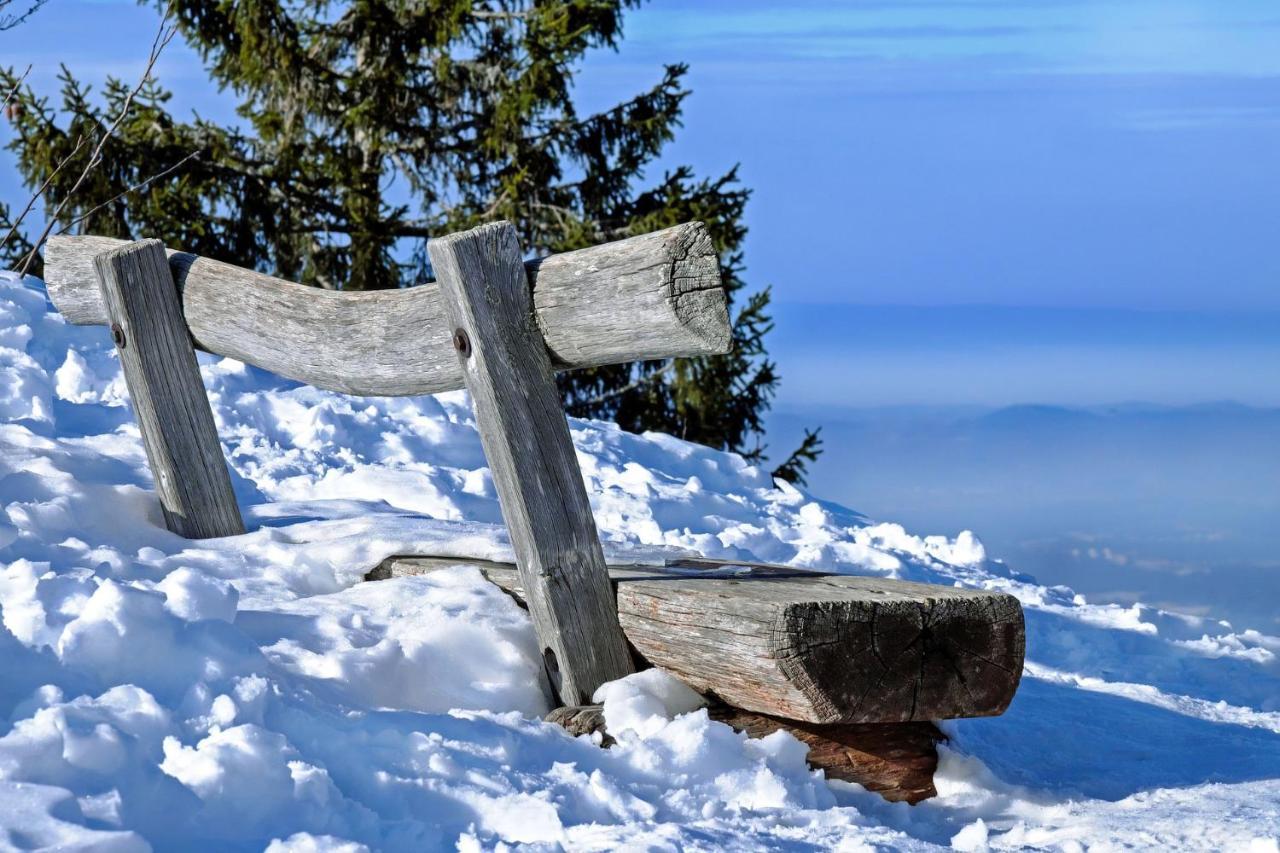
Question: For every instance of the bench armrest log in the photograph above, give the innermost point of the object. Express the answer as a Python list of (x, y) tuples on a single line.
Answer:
[(653, 296), (808, 646)]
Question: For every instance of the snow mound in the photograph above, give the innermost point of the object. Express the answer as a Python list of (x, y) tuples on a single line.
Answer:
[(251, 693)]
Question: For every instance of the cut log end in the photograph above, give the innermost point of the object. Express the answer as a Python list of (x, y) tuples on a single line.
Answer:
[(895, 760), (493, 231), (694, 289), (832, 649), (924, 657)]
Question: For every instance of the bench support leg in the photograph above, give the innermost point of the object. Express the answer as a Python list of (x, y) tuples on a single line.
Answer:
[(168, 396), (535, 470)]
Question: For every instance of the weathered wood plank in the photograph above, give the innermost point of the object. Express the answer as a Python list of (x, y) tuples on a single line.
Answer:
[(535, 470), (167, 394), (808, 646), (895, 760), (653, 296)]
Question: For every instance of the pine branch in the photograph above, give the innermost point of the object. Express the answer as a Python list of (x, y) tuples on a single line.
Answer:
[(795, 468), (20, 245), (635, 384), (491, 15), (141, 185), (38, 194)]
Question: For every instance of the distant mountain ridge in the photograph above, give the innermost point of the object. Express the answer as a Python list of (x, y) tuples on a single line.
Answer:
[(1125, 501)]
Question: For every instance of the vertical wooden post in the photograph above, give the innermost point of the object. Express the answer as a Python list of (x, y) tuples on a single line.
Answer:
[(168, 396), (526, 441)]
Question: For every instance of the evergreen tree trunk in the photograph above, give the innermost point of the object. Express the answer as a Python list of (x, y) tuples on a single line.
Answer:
[(369, 244), (364, 203)]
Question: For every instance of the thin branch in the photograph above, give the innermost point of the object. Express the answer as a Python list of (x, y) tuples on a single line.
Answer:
[(16, 86), (141, 185), (488, 15), (392, 229), (164, 35), (647, 379), (8, 22), (40, 192)]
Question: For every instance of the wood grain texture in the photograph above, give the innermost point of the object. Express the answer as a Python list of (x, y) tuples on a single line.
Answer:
[(895, 760), (535, 469), (808, 646), (653, 296), (166, 392), (671, 273)]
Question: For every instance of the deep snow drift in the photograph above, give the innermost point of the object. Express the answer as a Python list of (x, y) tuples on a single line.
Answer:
[(250, 693)]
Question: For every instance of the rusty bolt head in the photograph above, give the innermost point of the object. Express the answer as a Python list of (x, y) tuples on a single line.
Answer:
[(117, 335), (462, 343)]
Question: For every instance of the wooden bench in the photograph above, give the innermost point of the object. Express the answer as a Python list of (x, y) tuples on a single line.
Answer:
[(833, 658)]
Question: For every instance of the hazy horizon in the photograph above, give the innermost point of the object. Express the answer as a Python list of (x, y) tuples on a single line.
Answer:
[(1172, 505), (884, 355)]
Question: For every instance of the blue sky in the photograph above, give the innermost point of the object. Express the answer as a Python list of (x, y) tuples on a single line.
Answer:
[(1082, 176), (1113, 153)]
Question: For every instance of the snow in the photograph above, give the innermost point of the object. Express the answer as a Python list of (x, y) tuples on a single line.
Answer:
[(643, 703), (251, 693)]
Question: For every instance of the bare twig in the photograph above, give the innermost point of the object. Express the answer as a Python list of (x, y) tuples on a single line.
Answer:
[(647, 379), (164, 35), (141, 185), (486, 14), (16, 86), (40, 192), (8, 22)]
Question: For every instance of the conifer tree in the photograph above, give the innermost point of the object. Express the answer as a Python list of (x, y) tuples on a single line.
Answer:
[(369, 127)]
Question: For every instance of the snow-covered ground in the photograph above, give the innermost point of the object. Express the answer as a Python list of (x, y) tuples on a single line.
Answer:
[(251, 693)]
